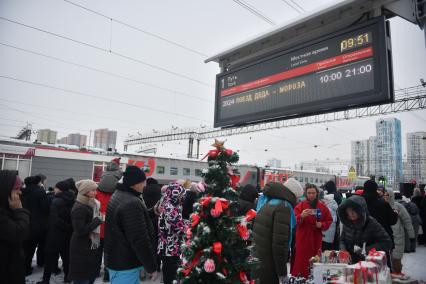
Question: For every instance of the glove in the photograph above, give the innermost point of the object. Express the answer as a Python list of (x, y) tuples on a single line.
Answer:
[(357, 249)]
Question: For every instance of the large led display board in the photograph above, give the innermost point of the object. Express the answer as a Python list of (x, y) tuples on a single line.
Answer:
[(347, 69)]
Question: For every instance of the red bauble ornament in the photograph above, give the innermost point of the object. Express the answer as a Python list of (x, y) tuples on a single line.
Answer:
[(217, 247), (224, 271), (228, 152), (209, 265), (195, 219), (213, 153)]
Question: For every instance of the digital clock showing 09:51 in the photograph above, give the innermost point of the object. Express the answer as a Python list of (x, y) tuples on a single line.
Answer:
[(356, 41)]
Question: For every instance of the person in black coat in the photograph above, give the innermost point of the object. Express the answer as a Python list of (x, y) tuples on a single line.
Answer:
[(360, 229), (273, 231), (59, 231), (331, 188), (191, 196), (14, 229), (34, 199), (151, 195), (85, 249), (379, 208), (247, 199), (129, 235)]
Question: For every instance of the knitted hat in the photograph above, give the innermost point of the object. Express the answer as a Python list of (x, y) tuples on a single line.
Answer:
[(370, 186), (133, 175), (86, 185), (32, 180), (63, 185), (71, 184), (294, 186)]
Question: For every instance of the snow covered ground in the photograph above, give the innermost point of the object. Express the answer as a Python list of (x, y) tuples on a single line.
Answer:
[(414, 266)]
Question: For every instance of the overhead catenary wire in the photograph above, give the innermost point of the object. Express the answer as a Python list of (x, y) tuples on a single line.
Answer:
[(104, 72), (297, 4), (101, 98), (138, 29), (66, 119), (55, 125), (80, 113), (129, 58), (254, 11), (293, 7)]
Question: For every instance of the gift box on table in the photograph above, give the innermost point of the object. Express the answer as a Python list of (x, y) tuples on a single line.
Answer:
[(329, 273), (363, 272), (378, 258)]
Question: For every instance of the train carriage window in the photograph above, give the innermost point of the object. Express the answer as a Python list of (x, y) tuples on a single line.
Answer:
[(306, 180), (173, 171), (10, 164), (186, 171), (198, 172), (24, 168), (316, 180), (312, 180), (160, 170)]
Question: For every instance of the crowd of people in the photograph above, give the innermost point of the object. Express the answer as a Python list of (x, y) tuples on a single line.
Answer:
[(135, 227), (372, 217)]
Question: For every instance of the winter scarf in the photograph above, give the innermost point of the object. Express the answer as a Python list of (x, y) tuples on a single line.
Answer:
[(95, 235)]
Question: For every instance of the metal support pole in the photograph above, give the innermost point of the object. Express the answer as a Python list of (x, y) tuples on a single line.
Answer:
[(190, 147), (198, 149)]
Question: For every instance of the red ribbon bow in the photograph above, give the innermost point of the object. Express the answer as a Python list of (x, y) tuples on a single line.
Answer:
[(205, 201), (250, 215), (194, 262), (242, 229), (195, 219)]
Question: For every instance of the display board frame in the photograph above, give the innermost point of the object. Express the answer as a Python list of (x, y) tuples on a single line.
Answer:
[(381, 93)]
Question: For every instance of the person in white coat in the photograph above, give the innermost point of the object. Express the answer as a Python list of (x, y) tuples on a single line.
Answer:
[(328, 236), (402, 227)]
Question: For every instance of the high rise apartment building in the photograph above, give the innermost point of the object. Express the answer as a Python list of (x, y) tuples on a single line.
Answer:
[(105, 139), (47, 136)]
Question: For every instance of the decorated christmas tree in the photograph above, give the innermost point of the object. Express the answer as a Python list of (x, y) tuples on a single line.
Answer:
[(216, 248)]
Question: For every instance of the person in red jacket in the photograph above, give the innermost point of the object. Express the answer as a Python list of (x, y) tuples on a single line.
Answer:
[(106, 188), (312, 218)]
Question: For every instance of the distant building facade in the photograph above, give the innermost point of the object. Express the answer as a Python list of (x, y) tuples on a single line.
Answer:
[(330, 166), (372, 155), (47, 136), (360, 157), (389, 151), (77, 139), (63, 140), (274, 163), (105, 139), (416, 157)]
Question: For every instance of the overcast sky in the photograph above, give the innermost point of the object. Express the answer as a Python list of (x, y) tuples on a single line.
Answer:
[(61, 74)]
